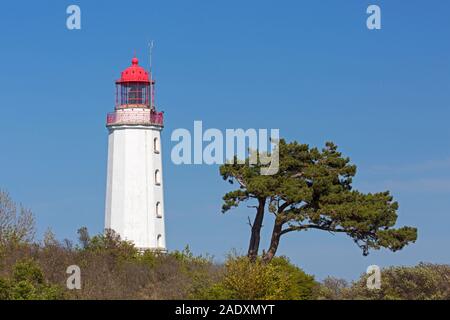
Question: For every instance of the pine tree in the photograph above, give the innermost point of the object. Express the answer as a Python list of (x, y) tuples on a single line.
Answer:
[(313, 190)]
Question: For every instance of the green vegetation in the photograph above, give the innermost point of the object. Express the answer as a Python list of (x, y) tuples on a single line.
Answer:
[(115, 269), (27, 283), (312, 190), (246, 280), (422, 282)]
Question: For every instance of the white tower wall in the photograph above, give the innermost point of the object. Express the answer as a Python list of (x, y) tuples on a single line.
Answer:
[(134, 196)]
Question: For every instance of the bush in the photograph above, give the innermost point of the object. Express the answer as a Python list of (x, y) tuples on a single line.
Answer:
[(246, 280), (302, 286), (108, 243), (331, 289), (27, 283), (422, 282), (16, 222)]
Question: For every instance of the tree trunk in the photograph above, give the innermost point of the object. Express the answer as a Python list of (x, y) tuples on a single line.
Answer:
[(274, 241), (255, 237)]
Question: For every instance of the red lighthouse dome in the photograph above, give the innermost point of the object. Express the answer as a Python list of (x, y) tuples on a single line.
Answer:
[(135, 87), (134, 73)]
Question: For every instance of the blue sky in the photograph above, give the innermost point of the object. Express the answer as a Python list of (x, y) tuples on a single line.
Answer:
[(310, 68)]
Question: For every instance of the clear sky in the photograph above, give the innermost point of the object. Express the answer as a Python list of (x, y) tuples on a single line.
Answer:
[(310, 68)]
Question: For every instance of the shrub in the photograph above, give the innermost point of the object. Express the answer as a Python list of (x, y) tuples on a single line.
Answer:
[(246, 280), (331, 289), (16, 222), (421, 282), (108, 243), (27, 283), (302, 286)]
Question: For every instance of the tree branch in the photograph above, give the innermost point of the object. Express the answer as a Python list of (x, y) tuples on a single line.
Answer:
[(284, 206), (250, 222), (240, 180), (313, 226)]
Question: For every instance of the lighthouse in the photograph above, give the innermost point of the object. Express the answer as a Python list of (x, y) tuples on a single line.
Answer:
[(134, 193)]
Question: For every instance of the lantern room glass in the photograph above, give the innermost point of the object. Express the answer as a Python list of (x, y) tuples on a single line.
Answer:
[(132, 94)]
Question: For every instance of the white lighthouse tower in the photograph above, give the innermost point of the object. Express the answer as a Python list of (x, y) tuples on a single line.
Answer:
[(134, 194)]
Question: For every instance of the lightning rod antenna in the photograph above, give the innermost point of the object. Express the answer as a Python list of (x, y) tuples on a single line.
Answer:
[(152, 94)]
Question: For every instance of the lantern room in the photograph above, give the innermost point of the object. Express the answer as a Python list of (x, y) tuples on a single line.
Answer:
[(134, 89)]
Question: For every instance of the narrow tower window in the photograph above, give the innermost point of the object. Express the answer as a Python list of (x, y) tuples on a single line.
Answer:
[(157, 177), (159, 241), (158, 210), (156, 145)]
